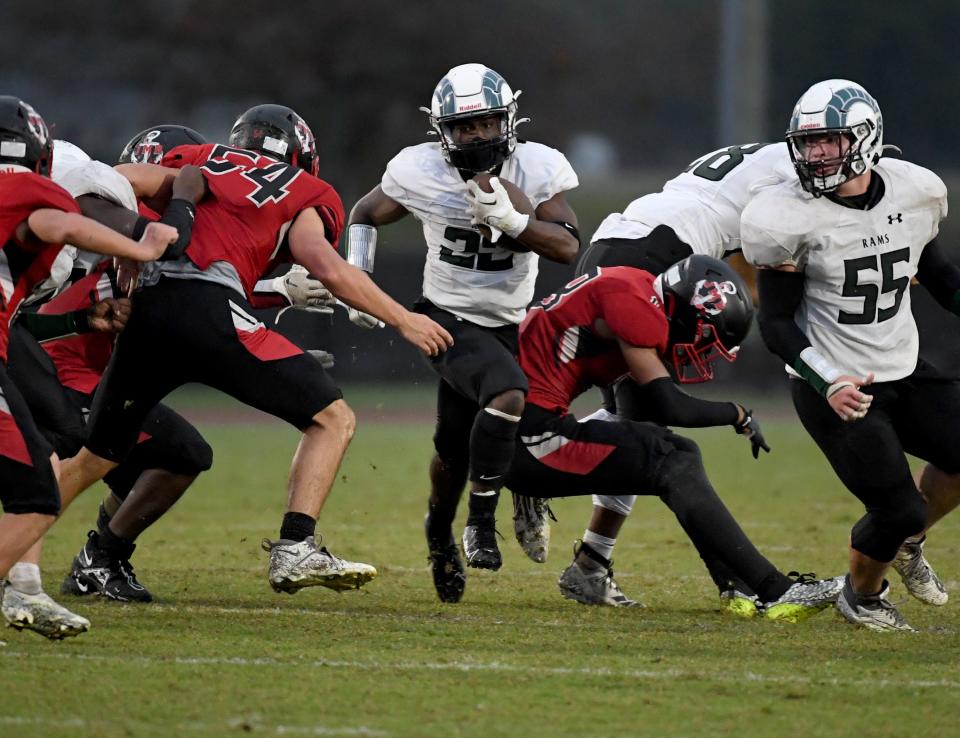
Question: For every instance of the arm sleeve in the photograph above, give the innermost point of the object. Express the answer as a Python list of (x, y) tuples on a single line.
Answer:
[(49, 327), (669, 405), (940, 276)]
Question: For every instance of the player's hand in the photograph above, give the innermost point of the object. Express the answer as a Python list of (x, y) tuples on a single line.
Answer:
[(128, 275), (109, 316), (324, 357), (494, 210), (749, 426), (361, 319), (426, 335), (155, 240), (847, 400), (303, 291)]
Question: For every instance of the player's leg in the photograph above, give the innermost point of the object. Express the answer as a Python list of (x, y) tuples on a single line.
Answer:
[(238, 355), (30, 500), (926, 409), (168, 457), (868, 457), (567, 457), (448, 477)]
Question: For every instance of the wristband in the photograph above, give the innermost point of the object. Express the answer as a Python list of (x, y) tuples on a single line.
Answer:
[(362, 246), (179, 214), (816, 369), (139, 227)]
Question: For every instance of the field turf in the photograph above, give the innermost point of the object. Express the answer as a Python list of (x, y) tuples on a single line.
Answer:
[(220, 654)]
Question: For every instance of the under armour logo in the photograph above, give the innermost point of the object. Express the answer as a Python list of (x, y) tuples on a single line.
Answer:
[(898, 218)]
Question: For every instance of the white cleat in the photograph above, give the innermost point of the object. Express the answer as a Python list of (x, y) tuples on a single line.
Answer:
[(874, 612), (298, 564), (593, 586), (918, 576), (806, 597), (38, 612), (531, 524)]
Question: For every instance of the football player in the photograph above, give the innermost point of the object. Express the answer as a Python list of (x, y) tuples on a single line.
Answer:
[(477, 285), (192, 321), (837, 249), (697, 212), (36, 218), (618, 320)]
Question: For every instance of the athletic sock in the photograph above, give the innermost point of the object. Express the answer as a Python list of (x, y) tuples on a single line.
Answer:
[(25, 578), (113, 545), (773, 586), (600, 544), (297, 527), (483, 507)]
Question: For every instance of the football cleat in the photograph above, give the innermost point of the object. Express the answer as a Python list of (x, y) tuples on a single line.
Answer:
[(480, 545), (532, 526), (449, 576), (592, 586), (805, 597), (874, 612), (298, 564), (38, 612), (918, 576), (740, 604), (97, 572)]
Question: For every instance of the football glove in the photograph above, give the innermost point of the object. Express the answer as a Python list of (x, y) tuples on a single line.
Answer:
[(750, 428), (324, 357), (303, 291), (363, 320), (494, 210)]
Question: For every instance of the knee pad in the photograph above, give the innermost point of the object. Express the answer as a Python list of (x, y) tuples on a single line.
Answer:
[(880, 533), (620, 504)]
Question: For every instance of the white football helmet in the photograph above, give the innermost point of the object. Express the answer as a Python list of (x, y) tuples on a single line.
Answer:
[(835, 106), (471, 91)]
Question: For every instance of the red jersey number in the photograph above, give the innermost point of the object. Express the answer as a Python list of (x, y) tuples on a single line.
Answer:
[(271, 182)]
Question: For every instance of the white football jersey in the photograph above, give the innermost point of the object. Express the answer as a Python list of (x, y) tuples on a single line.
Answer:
[(703, 204), (464, 273), (858, 264)]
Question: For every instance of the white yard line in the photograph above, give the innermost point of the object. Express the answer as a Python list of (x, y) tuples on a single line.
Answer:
[(252, 725), (495, 667)]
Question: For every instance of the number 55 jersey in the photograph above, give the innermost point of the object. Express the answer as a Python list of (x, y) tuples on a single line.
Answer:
[(857, 263), (464, 273)]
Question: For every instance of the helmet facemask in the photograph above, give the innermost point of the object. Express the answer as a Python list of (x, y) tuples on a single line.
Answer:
[(710, 311), (842, 108), (467, 92)]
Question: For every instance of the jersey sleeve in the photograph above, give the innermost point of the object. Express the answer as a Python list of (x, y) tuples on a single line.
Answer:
[(396, 180), (767, 233), (329, 207), (550, 173), (187, 154), (23, 193), (96, 178), (634, 314)]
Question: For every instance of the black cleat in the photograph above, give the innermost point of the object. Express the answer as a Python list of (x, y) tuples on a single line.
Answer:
[(480, 545), (96, 572), (449, 576)]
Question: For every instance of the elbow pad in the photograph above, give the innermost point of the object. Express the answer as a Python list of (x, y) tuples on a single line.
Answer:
[(180, 214)]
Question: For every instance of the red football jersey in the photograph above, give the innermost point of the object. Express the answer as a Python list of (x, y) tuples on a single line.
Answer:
[(24, 266), (560, 351), (253, 201), (82, 359)]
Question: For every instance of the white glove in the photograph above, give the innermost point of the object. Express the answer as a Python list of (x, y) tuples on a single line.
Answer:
[(303, 291), (494, 210), (324, 357), (362, 319)]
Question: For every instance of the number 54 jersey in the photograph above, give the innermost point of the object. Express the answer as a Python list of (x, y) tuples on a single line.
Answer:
[(464, 273), (857, 264)]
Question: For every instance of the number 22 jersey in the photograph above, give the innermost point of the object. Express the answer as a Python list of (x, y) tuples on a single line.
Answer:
[(857, 264), (464, 273)]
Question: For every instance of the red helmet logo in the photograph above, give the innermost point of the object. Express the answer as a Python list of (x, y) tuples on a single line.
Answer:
[(711, 297)]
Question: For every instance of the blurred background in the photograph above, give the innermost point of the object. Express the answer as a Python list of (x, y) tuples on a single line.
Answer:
[(630, 91)]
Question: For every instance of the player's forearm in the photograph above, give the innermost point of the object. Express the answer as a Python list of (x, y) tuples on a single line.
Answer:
[(550, 240), (353, 287), (56, 226), (50, 327), (667, 404)]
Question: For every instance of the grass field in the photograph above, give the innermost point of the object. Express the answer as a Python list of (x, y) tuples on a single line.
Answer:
[(220, 654)]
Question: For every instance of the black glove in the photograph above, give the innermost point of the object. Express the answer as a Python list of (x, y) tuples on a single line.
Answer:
[(750, 428)]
